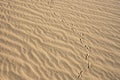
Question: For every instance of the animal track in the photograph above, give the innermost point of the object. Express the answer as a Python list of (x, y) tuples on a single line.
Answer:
[(87, 56), (79, 75)]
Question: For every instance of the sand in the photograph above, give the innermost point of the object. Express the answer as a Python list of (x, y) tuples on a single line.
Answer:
[(59, 39)]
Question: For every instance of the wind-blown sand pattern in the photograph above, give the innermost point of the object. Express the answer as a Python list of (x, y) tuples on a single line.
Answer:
[(59, 39)]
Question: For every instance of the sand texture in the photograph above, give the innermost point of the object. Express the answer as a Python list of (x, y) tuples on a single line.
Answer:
[(59, 39)]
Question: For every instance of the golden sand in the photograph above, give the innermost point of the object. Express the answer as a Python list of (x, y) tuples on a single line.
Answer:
[(59, 39)]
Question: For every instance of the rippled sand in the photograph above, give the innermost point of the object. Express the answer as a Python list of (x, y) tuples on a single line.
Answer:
[(59, 39)]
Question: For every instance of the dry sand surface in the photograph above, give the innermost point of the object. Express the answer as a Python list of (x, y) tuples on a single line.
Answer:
[(59, 39)]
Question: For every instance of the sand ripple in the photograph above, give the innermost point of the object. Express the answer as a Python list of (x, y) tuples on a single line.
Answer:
[(59, 40)]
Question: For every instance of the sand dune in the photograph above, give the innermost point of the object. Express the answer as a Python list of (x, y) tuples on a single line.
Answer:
[(59, 39)]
